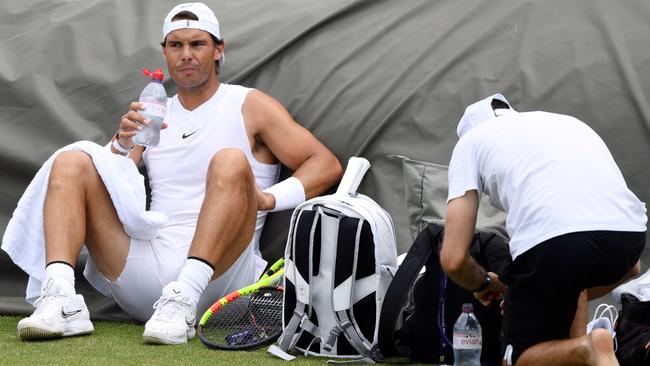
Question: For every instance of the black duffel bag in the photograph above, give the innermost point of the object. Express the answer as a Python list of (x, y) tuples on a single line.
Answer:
[(419, 310)]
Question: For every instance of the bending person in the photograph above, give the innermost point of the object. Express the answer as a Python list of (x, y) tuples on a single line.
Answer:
[(573, 224)]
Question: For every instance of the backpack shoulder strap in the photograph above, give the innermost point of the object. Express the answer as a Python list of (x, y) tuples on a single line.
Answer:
[(347, 285), (298, 270), (396, 296)]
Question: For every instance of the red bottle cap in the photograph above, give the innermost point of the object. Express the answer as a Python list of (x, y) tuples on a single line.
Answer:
[(159, 74)]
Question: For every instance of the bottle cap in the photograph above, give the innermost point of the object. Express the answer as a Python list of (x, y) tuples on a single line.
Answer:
[(159, 74), (468, 308)]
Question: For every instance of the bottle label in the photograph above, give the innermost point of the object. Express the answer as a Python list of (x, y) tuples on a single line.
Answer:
[(467, 341), (153, 109)]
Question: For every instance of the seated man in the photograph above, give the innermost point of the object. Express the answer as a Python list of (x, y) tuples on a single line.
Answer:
[(214, 174), (573, 224)]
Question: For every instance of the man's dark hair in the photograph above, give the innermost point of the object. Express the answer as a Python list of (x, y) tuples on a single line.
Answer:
[(499, 104), (186, 15)]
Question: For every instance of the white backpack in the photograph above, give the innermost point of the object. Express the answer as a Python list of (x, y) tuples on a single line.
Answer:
[(339, 261)]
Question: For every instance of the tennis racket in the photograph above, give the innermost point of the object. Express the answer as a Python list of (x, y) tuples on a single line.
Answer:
[(248, 318), (354, 172)]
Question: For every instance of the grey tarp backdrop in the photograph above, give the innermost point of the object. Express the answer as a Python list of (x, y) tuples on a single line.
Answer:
[(367, 77)]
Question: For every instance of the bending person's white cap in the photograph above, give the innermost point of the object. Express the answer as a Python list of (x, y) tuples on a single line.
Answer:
[(479, 112), (207, 20)]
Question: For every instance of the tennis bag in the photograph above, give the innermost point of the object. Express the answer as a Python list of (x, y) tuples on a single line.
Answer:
[(633, 332), (420, 308), (339, 260)]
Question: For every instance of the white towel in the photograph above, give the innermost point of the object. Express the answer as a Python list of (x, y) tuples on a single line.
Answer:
[(24, 239)]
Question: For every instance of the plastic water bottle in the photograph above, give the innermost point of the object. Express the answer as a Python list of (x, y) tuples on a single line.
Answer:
[(467, 338), (154, 98)]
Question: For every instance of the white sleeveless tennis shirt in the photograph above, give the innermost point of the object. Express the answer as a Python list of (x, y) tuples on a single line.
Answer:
[(177, 167)]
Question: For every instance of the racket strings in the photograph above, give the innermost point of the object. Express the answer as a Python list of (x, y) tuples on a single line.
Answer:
[(249, 320)]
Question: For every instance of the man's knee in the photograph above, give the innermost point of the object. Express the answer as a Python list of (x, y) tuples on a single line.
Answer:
[(71, 164), (229, 165)]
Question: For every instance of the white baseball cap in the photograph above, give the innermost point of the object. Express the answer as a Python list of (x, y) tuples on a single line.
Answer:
[(207, 20), (477, 113)]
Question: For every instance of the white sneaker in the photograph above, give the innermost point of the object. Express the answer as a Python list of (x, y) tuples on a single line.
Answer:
[(173, 320), (60, 312), (605, 317)]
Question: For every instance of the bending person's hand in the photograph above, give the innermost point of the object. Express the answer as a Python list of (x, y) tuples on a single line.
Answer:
[(493, 292)]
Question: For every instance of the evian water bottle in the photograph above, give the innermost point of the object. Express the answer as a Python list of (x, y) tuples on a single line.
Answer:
[(467, 338), (154, 99)]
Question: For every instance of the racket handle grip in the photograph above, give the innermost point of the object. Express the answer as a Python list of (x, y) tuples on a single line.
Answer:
[(354, 173)]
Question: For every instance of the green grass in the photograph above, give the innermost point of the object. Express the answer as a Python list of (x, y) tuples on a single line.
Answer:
[(115, 343)]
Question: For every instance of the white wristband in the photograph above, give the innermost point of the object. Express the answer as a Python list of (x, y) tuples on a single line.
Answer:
[(121, 149), (288, 194)]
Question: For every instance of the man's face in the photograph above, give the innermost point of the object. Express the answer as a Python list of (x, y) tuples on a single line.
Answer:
[(191, 55)]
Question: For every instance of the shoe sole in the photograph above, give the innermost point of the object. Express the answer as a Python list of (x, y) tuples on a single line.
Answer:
[(32, 333), (158, 340)]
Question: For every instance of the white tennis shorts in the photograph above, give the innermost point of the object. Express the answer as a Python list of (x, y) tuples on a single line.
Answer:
[(152, 264)]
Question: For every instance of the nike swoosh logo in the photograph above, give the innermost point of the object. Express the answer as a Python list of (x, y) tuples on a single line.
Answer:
[(67, 315), (189, 134)]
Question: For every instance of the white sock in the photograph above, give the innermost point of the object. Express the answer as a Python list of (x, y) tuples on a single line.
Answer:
[(195, 276), (60, 270)]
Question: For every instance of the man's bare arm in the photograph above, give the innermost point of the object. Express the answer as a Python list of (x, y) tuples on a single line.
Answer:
[(460, 223), (129, 126), (313, 163)]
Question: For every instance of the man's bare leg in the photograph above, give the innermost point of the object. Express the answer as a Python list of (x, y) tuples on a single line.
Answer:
[(224, 229), (579, 324), (593, 349), (78, 209), (596, 292), (227, 218)]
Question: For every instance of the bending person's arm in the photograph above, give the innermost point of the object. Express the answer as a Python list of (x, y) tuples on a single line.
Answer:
[(460, 223)]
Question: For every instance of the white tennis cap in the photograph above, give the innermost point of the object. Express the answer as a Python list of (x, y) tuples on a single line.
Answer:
[(207, 20), (477, 113)]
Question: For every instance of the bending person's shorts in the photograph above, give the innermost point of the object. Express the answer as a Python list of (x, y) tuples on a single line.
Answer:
[(544, 283), (152, 264)]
